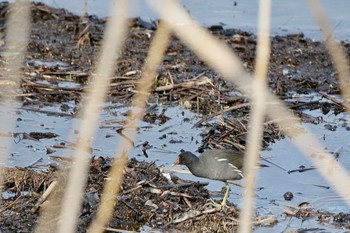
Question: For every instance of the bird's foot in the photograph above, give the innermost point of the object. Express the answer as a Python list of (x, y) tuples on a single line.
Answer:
[(211, 202)]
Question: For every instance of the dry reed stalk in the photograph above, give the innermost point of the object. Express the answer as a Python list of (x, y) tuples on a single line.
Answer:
[(112, 185), (85, 8), (18, 27), (226, 63), (112, 43), (337, 54), (256, 127), (111, 46)]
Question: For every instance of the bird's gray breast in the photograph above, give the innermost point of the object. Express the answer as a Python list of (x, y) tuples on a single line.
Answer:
[(217, 168)]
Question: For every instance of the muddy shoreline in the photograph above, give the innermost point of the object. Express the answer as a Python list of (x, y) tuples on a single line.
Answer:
[(61, 54)]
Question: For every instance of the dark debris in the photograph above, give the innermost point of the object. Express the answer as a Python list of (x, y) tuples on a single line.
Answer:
[(146, 198)]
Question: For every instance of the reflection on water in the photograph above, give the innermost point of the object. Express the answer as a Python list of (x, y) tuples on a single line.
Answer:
[(329, 202)]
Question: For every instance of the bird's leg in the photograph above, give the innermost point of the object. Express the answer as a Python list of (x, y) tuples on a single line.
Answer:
[(223, 203)]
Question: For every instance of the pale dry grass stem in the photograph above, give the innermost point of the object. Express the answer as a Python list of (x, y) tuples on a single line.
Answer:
[(111, 47), (337, 54), (17, 36), (96, 94), (258, 112), (112, 186)]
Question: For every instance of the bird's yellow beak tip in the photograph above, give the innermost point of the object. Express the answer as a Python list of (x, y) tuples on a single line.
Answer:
[(177, 162)]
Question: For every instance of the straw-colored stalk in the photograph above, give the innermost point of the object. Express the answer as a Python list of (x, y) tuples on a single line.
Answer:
[(256, 126), (220, 57), (337, 54), (111, 46), (17, 35), (85, 8), (112, 186)]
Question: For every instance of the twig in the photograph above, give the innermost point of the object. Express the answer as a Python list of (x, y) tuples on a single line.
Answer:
[(165, 128), (138, 185), (333, 100), (170, 186), (33, 163), (62, 114), (164, 193), (196, 95), (44, 197), (269, 221), (273, 163), (10, 205), (118, 230), (303, 104), (195, 213), (234, 183), (202, 81), (50, 87), (301, 169), (188, 203), (220, 112), (126, 138), (76, 74), (120, 199)]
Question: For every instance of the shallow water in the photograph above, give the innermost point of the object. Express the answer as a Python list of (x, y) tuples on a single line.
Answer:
[(307, 186), (287, 16), (104, 143)]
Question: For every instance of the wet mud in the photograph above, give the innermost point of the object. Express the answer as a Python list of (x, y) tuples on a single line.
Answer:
[(61, 55)]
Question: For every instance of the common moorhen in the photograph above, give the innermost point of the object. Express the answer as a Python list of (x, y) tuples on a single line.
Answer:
[(215, 164)]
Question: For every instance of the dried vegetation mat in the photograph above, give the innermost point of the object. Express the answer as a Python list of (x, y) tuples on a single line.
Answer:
[(147, 198)]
